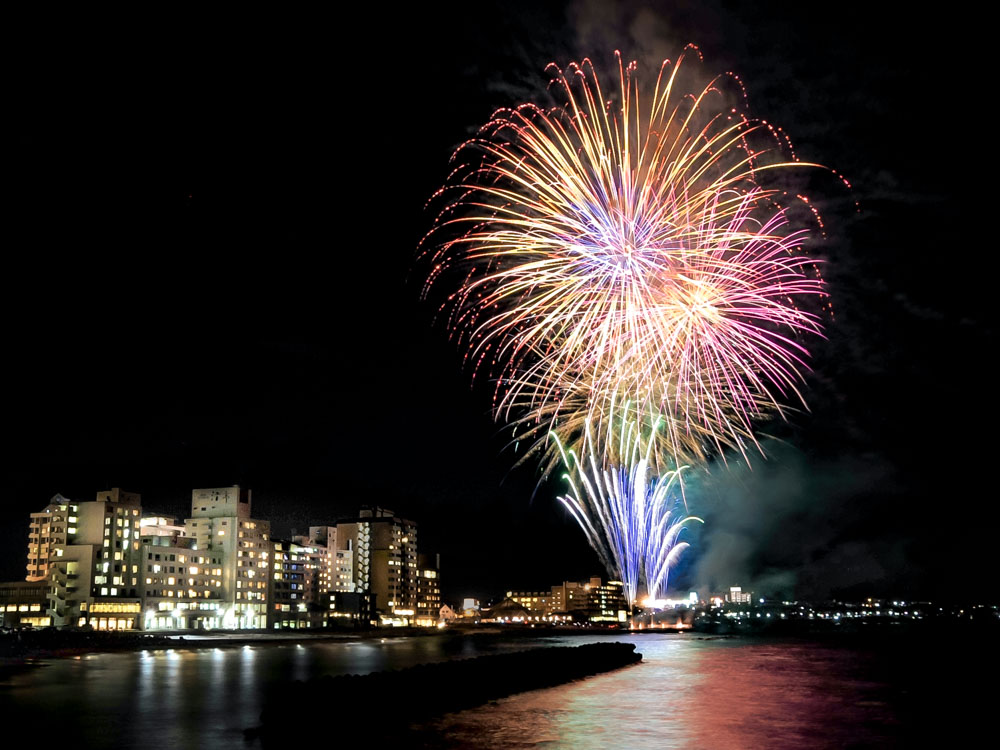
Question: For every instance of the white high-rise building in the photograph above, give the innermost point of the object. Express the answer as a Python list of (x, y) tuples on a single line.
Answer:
[(180, 585), (89, 553), (221, 525)]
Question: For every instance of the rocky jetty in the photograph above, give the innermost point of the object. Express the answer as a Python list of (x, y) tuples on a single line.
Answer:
[(387, 702)]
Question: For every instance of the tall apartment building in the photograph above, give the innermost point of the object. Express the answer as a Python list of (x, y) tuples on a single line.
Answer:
[(320, 547), (335, 590), (221, 525), (428, 605), (88, 553), (48, 529), (296, 598), (383, 562), (180, 586)]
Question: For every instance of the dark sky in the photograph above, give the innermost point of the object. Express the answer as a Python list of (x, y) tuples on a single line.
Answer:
[(210, 279)]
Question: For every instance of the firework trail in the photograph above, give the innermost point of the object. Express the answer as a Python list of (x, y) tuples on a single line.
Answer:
[(631, 518), (606, 251)]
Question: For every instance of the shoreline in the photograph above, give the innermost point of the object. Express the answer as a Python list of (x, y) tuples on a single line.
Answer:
[(32, 649)]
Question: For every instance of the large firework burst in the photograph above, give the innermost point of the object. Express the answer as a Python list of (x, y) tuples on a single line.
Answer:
[(622, 248)]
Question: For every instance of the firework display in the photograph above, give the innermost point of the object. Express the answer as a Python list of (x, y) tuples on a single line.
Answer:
[(603, 252), (620, 249), (631, 519)]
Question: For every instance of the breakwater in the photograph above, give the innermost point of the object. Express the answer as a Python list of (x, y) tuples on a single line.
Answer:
[(387, 702)]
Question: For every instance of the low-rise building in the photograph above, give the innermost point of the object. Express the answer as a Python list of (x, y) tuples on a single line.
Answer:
[(591, 601), (537, 603), (24, 604)]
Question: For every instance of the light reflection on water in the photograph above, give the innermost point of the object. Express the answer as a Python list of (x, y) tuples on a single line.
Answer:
[(186, 697), (688, 692), (725, 694)]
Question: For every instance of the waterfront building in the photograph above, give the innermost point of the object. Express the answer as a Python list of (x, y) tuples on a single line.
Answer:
[(24, 604), (428, 604), (738, 596), (114, 593), (88, 554), (107, 564), (590, 601), (537, 603), (342, 570), (47, 530), (318, 546), (333, 589), (384, 563), (605, 601), (295, 596), (506, 611), (222, 526), (180, 586), (446, 615)]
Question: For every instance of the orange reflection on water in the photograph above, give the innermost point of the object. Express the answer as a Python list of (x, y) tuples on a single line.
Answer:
[(692, 692)]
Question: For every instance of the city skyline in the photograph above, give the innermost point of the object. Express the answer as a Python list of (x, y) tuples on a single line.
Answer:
[(113, 564)]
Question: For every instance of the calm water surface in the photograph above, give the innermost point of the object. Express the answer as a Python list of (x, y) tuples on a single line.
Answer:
[(689, 692)]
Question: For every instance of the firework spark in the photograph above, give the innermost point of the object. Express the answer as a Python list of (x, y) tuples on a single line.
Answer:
[(631, 518), (626, 249)]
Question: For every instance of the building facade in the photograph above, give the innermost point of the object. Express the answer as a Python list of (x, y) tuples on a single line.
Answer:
[(383, 562), (222, 526), (107, 564), (24, 604), (89, 555), (180, 585), (296, 598), (428, 604), (589, 601)]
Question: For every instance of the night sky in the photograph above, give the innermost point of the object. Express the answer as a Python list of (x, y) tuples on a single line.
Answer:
[(211, 279)]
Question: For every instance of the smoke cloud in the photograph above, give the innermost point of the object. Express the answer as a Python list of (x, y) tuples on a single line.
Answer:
[(791, 526)]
